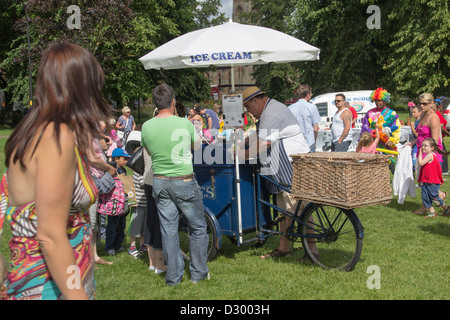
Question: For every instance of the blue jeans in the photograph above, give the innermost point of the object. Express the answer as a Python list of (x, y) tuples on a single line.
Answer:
[(173, 197), (340, 147), (115, 232), (430, 195)]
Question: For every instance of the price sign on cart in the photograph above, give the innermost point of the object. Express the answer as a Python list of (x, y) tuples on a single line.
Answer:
[(233, 110)]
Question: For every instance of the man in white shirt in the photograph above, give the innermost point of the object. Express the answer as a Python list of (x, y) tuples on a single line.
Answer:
[(277, 137), (340, 128), (307, 115)]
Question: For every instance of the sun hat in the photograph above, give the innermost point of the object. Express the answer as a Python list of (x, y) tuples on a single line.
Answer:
[(119, 152), (250, 93), (380, 94)]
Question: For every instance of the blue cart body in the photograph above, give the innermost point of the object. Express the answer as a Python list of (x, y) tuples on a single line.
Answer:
[(219, 187)]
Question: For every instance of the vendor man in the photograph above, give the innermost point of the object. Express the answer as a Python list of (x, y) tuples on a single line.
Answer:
[(385, 117), (278, 136)]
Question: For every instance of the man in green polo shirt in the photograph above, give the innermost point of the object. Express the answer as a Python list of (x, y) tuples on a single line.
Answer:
[(169, 139)]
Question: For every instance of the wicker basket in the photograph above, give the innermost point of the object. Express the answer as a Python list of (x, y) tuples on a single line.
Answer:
[(343, 179)]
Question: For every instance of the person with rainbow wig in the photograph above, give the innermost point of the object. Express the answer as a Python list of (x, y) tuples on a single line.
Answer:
[(382, 116)]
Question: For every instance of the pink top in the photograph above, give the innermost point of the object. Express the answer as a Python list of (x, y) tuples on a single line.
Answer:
[(115, 143), (424, 132), (97, 173), (370, 149)]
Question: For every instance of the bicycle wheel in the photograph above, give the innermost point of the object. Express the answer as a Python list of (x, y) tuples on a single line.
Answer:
[(183, 234), (334, 232)]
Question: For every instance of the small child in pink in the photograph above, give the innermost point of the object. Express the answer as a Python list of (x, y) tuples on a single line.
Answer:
[(366, 143), (431, 177), (115, 142)]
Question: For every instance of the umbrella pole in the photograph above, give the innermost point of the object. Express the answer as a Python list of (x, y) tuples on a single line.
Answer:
[(238, 186), (238, 177), (232, 79)]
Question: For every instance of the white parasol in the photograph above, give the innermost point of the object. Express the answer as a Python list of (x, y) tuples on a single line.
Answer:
[(230, 44)]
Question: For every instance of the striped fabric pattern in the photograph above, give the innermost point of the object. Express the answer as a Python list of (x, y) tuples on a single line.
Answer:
[(29, 277), (279, 168), (138, 181)]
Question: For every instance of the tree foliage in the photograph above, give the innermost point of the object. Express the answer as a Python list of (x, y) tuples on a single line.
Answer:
[(420, 53), (409, 54), (279, 80), (117, 32)]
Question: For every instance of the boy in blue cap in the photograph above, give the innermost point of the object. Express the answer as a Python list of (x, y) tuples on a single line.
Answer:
[(115, 228), (120, 157)]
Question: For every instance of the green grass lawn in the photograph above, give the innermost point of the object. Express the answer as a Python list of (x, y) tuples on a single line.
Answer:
[(411, 252)]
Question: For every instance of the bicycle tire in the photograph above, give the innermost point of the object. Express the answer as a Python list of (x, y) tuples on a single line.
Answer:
[(336, 233), (183, 235)]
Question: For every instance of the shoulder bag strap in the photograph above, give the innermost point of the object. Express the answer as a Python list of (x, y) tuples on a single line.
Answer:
[(3, 203)]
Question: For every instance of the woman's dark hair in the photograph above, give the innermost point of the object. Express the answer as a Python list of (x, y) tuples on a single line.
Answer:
[(181, 110), (68, 91), (435, 146)]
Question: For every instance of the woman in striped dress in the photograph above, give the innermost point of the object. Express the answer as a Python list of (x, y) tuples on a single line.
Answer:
[(47, 188)]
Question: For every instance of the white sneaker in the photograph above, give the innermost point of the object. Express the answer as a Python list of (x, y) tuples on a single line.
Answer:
[(159, 271), (205, 278)]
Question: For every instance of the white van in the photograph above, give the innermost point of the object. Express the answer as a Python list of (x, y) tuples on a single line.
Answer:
[(360, 100)]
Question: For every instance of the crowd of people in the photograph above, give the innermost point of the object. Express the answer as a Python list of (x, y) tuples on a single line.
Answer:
[(64, 187), (381, 131)]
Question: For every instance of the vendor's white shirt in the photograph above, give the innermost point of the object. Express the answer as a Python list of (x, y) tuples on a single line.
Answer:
[(278, 123)]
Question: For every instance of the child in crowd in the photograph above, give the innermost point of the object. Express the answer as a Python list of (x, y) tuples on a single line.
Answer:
[(120, 157), (98, 223), (114, 141), (415, 112), (366, 142), (138, 219), (115, 227), (431, 177)]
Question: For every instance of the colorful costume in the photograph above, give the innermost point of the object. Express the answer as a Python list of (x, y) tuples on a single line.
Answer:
[(385, 117), (28, 277)]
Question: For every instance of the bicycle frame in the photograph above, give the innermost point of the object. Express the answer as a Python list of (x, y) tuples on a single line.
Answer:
[(296, 217)]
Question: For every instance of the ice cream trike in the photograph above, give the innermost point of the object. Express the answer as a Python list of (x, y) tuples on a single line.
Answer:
[(238, 206)]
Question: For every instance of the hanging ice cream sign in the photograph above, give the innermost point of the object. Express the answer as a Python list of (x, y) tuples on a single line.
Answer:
[(219, 56)]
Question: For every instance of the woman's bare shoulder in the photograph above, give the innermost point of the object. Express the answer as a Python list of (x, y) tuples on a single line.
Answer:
[(52, 148), (66, 136)]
